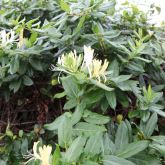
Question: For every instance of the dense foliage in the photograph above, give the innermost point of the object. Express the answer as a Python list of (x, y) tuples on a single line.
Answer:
[(98, 72)]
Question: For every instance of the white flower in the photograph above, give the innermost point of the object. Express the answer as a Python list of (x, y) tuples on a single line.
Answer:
[(7, 38), (88, 55), (99, 70), (69, 63), (43, 155), (92, 67)]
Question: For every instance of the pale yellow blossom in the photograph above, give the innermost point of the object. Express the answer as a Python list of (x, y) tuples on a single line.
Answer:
[(96, 68), (70, 62), (92, 67), (6, 38), (43, 154), (99, 69)]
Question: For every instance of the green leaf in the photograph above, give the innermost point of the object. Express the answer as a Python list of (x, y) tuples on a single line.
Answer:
[(24, 146), (122, 98), (95, 28), (55, 124), (36, 64), (160, 112), (80, 24), (88, 162), (104, 105), (158, 139), (74, 151), (111, 98), (14, 65), (70, 104), (108, 146), (121, 78), (159, 147), (15, 85), (56, 156), (87, 129), (134, 113), (114, 160), (145, 159), (95, 118), (17, 146), (143, 59), (23, 67), (101, 85), (91, 97), (151, 125), (122, 138), (76, 116), (114, 66), (2, 162), (133, 149), (70, 86), (65, 131), (59, 95), (31, 22), (64, 6), (27, 81), (33, 37), (130, 134), (94, 144)]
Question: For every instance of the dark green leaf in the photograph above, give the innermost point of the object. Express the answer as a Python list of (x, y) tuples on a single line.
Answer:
[(133, 149), (95, 118), (87, 129), (74, 151), (70, 86), (111, 98), (121, 138), (114, 160), (27, 81)]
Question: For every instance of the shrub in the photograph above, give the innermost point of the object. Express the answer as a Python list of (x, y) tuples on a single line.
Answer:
[(104, 72)]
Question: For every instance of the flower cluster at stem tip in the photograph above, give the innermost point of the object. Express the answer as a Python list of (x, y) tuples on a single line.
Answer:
[(43, 154), (72, 63)]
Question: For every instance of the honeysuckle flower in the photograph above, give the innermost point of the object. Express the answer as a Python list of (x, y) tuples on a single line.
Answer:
[(96, 67), (70, 62), (6, 38), (43, 154), (21, 39), (92, 67), (99, 69), (88, 57)]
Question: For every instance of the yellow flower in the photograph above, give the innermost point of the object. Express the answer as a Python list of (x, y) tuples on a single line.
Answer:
[(96, 67), (44, 153), (98, 70), (104, 67), (92, 67)]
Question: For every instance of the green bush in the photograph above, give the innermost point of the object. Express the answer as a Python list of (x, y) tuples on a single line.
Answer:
[(106, 67)]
